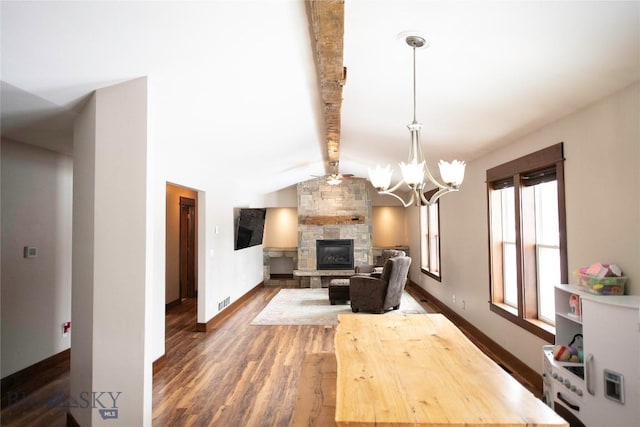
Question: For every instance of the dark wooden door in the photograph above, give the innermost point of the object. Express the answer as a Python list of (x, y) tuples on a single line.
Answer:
[(187, 248)]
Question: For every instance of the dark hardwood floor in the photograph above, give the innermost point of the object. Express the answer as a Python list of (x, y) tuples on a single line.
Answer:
[(235, 375), (42, 407)]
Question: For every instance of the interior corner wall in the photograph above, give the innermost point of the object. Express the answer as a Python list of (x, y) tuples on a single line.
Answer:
[(602, 185), (81, 378), (284, 198), (36, 292), (110, 266), (389, 226), (281, 228)]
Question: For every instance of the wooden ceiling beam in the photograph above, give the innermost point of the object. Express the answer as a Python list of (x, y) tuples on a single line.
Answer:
[(327, 22)]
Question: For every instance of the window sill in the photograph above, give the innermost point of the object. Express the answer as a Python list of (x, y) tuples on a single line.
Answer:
[(536, 327), (430, 274), (544, 326)]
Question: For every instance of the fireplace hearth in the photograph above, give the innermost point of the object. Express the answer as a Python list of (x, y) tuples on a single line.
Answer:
[(336, 254)]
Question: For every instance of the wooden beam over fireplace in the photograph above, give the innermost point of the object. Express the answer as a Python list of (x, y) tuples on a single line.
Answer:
[(334, 219), (327, 23)]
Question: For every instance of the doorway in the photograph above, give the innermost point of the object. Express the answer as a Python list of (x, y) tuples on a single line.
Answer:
[(181, 246), (187, 248)]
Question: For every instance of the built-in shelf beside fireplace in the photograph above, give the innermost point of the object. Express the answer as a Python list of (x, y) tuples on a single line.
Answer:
[(270, 253)]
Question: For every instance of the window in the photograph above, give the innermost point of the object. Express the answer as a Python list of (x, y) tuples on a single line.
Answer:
[(527, 238), (430, 241)]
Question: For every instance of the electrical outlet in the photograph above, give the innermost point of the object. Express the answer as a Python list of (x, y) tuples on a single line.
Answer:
[(454, 298), (66, 328)]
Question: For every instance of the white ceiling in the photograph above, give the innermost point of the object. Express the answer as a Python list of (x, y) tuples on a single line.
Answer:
[(238, 76)]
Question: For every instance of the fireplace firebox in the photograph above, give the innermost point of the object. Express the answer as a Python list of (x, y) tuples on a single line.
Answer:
[(334, 254)]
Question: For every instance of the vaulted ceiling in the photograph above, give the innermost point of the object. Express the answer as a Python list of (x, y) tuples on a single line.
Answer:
[(265, 81)]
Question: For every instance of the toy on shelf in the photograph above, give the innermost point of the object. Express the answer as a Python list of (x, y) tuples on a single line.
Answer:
[(569, 353), (574, 306), (603, 279), (600, 270)]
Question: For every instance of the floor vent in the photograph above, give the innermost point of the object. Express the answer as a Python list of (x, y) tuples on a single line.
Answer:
[(225, 302)]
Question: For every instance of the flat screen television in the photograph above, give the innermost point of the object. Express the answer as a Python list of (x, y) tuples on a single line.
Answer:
[(249, 227)]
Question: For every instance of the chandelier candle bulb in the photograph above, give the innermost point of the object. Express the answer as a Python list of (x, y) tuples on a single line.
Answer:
[(412, 173), (452, 173), (380, 177)]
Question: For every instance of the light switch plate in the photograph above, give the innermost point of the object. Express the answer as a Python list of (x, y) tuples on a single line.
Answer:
[(30, 252)]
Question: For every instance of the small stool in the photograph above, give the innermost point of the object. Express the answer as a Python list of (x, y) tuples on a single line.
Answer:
[(338, 290)]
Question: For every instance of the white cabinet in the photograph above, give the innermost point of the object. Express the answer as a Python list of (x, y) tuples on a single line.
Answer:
[(610, 325)]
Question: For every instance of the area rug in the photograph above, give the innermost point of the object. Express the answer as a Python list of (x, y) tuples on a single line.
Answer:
[(311, 307)]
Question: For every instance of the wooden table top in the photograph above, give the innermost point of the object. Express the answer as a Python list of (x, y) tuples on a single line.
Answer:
[(420, 369)]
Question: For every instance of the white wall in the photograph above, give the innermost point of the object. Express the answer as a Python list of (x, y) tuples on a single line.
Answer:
[(110, 253), (82, 258), (389, 226), (285, 198), (184, 159), (602, 182), (281, 228), (36, 292)]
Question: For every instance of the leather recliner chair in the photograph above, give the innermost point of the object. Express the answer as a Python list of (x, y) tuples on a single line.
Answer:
[(377, 295)]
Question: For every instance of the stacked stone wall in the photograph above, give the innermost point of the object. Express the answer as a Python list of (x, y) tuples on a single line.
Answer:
[(317, 198)]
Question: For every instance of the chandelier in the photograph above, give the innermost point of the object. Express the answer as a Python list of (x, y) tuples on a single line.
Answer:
[(415, 170)]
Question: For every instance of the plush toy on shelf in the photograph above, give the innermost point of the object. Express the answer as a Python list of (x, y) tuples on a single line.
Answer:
[(569, 353)]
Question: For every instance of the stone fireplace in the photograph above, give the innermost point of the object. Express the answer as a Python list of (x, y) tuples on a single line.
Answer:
[(338, 212)]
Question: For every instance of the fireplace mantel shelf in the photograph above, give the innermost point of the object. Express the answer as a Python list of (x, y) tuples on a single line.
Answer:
[(334, 219)]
